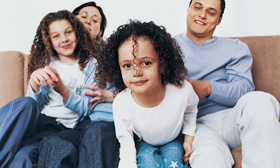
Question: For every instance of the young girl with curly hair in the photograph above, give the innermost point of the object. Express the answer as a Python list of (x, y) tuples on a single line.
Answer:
[(156, 106), (60, 64)]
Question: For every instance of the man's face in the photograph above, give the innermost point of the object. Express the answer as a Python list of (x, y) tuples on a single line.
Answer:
[(202, 19)]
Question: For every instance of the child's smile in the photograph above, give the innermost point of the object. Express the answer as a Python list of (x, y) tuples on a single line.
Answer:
[(140, 66)]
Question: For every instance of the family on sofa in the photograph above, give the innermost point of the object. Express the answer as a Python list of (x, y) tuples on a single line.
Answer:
[(140, 98)]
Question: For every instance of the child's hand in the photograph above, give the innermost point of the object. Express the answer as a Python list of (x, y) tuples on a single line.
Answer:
[(99, 95), (58, 85), (43, 75), (187, 145)]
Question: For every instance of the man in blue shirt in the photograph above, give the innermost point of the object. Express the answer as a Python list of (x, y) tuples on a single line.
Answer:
[(230, 115)]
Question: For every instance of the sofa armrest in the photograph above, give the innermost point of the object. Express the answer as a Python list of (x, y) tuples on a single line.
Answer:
[(12, 75)]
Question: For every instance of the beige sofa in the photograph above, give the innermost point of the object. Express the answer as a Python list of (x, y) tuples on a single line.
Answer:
[(266, 72)]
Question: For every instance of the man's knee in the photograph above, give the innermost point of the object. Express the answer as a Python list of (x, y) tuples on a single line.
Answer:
[(259, 104), (211, 156), (259, 98)]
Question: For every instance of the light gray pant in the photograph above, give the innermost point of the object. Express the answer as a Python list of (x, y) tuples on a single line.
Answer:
[(252, 124)]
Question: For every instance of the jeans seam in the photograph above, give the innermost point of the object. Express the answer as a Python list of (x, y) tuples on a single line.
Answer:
[(9, 114)]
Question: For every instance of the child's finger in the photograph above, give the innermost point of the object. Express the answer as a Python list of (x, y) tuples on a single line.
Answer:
[(52, 73), (186, 159)]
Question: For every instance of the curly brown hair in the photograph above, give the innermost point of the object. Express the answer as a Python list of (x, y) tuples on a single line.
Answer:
[(170, 56), (42, 49)]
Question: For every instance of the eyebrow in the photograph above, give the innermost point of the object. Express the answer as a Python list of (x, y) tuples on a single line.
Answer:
[(64, 30), (202, 5), (87, 13)]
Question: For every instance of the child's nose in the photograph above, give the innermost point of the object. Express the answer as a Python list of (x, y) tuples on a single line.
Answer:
[(64, 38), (137, 71)]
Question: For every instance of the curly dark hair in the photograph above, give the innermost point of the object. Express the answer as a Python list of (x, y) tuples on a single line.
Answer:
[(170, 56), (42, 49)]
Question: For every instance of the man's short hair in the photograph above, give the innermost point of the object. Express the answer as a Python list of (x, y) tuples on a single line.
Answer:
[(223, 5)]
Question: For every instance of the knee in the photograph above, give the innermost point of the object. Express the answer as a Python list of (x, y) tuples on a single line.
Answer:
[(147, 158), (174, 151), (146, 154), (259, 98), (28, 102), (26, 105), (51, 142), (260, 104), (102, 129), (213, 156)]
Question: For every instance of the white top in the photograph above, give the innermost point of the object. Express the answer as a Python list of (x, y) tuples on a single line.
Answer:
[(157, 125), (73, 78)]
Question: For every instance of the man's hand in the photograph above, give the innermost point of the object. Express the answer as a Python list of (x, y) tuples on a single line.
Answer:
[(99, 95), (201, 88)]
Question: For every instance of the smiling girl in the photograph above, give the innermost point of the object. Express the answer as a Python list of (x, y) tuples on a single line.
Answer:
[(155, 112), (60, 64)]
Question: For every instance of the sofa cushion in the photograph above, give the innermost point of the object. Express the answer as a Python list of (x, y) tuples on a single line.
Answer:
[(266, 62), (12, 82)]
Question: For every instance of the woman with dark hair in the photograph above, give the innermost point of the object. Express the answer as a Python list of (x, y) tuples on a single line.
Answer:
[(99, 146), (93, 18)]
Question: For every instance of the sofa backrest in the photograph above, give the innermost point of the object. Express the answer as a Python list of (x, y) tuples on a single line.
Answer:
[(266, 62), (266, 68), (13, 82)]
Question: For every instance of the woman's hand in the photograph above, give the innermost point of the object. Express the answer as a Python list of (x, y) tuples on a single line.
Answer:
[(99, 95), (187, 145), (43, 75)]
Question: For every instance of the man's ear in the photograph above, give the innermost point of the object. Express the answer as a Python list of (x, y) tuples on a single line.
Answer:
[(220, 20)]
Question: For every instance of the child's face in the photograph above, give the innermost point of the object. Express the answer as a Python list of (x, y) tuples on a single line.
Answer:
[(64, 40), (91, 18), (141, 74)]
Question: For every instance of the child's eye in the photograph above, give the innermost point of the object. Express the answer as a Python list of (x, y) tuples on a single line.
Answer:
[(55, 36), (146, 63), (126, 65)]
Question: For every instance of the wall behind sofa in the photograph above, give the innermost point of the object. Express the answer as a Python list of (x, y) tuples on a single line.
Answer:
[(19, 18)]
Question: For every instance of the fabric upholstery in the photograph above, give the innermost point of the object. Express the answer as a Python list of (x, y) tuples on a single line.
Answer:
[(12, 75)]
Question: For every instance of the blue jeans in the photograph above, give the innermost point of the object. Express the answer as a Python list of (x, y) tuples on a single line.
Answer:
[(86, 146), (99, 146), (18, 119), (165, 156)]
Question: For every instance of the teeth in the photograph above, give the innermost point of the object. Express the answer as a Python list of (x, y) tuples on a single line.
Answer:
[(199, 22)]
